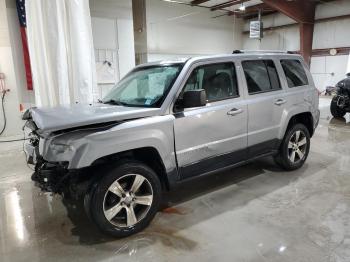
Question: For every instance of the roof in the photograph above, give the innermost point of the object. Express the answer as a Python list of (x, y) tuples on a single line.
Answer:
[(236, 54)]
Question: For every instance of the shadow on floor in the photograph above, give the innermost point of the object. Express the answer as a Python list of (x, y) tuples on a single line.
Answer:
[(258, 178)]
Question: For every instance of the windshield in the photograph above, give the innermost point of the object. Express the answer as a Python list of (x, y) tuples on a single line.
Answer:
[(144, 87)]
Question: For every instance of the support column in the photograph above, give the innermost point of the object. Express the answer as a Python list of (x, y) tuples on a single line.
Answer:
[(140, 30), (306, 37)]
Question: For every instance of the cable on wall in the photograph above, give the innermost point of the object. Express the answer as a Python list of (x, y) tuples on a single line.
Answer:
[(3, 112), (3, 92)]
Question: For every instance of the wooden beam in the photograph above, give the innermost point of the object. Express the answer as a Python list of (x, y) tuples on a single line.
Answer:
[(306, 35), (326, 51), (227, 4), (299, 10), (320, 20), (252, 11), (198, 2), (255, 14)]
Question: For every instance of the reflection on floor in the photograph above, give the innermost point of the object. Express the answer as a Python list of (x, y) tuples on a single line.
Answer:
[(253, 213)]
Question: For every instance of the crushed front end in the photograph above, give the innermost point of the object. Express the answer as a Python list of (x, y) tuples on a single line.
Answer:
[(49, 176)]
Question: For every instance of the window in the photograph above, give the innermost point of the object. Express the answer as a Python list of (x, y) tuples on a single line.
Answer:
[(144, 86), (261, 76), (294, 72), (218, 80)]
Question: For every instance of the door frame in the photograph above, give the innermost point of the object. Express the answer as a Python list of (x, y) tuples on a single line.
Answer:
[(223, 160)]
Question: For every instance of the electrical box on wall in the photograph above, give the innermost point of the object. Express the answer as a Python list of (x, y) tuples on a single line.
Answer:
[(256, 30)]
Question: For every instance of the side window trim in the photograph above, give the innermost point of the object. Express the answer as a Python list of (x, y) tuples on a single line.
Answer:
[(263, 91)]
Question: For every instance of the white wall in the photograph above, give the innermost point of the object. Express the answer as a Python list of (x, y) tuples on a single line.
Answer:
[(113, 31), (326, 35), (279, 39), (175, 30), (328, 70), (13, 78)]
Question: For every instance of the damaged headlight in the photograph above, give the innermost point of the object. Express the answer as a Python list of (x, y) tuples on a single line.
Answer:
[(57, 148)]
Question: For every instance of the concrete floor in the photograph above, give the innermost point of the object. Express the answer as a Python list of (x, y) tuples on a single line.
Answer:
[(253, 213)]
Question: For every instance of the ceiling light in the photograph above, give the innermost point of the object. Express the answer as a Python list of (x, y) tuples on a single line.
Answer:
[(242, 7)]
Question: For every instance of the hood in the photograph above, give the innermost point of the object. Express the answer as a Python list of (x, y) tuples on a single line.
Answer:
[(71, 116)]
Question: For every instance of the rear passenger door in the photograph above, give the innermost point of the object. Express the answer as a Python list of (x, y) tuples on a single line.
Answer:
[(299, 87), (265, 100)]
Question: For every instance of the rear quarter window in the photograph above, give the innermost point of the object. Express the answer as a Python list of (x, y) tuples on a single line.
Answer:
[(261, 76), (294, 72)]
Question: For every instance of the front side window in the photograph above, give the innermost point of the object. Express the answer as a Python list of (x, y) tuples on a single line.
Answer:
[(295, 73), (145, 86), (218, 80), (261, 76)]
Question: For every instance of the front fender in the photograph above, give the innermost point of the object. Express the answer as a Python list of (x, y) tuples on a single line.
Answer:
[(155, 132)]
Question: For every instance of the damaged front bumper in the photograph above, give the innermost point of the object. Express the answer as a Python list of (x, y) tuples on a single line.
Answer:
[(55, 177), (50, 177)]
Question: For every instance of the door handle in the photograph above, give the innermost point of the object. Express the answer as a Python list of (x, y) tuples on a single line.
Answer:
[(234, 112), (280, 101)]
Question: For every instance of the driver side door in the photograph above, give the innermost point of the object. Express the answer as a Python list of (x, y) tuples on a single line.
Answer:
[(213, 136)]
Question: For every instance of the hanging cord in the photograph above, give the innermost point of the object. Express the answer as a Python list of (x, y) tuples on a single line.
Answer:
[(3, 92), (17, 140), (3, 112), (14, 140)]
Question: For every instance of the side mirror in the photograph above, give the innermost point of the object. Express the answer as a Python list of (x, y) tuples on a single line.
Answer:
[(194, 98)]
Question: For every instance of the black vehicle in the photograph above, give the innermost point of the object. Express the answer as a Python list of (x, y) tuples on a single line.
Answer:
[(340, 104)]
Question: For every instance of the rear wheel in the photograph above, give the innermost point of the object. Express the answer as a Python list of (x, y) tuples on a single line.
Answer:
[(125, 200), (336, 111), (294, 148)]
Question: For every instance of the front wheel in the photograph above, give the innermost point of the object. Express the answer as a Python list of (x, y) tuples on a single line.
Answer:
[(336, 111), (125, 200), (294, 148)]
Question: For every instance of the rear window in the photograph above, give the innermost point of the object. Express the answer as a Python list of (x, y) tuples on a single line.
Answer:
[(295, 73), (261, 76)]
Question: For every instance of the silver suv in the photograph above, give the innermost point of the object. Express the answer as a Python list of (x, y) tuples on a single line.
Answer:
[(169, 122)]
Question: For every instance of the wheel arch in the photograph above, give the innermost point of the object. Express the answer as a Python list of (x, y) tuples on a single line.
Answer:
[(146, 155), (304, 118)]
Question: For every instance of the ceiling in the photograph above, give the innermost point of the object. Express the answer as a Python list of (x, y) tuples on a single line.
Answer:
[(232, 7)]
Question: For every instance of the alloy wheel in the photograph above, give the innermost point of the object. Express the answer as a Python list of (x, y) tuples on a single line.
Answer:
[(297, 146), (128, 200)]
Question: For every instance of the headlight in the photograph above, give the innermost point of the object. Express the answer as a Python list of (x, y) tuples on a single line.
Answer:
[(61, 148)]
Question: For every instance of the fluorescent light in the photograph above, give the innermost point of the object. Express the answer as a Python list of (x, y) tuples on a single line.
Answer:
[(242, 7)]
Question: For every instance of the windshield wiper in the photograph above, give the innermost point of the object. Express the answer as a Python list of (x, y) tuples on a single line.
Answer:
[(115, 102)]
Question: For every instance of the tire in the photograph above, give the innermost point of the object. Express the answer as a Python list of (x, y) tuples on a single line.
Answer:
[(336, 111), (290, 144), (112, 212)]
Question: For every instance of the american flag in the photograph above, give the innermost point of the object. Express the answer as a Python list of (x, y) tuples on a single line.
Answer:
[(21, 11)]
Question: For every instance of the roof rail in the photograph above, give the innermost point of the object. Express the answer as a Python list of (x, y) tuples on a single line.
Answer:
[(261, 51)]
